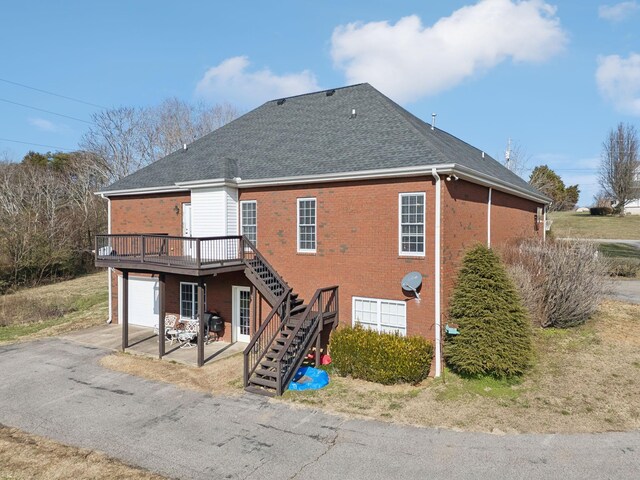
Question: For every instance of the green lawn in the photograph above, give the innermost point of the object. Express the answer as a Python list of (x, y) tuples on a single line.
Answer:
[(584, 225)]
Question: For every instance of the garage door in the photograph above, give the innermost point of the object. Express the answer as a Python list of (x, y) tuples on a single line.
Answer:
[(143, 301)]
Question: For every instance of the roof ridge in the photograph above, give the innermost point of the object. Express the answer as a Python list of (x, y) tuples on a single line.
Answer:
[(324, 90)]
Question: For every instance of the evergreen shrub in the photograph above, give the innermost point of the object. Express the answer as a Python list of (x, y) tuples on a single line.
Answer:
[(495, 332), (380, 357)]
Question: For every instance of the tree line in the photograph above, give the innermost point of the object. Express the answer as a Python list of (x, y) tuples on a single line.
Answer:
[(49, 213)]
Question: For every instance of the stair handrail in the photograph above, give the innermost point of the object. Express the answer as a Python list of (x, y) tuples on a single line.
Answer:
[(285, 377), (259, 256), (277, 308)]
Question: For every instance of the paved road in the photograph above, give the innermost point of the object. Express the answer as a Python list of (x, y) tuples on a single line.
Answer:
[(626, 291), (635, 243), (56, 388)]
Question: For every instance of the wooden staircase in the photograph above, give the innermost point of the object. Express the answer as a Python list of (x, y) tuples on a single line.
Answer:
[(288, 333)]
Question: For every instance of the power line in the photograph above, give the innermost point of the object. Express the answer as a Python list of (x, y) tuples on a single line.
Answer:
[(46, 111), (52, 93), (35, 144)]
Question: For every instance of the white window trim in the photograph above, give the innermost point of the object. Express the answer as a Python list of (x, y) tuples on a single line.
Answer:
[(255, 202), (424, 223), (315, 223), (194, 310), (379, 311)]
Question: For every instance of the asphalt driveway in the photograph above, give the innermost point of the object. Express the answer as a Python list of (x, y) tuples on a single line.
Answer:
[(57, 389)]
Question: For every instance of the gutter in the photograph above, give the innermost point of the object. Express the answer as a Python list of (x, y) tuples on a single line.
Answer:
[(461, 171), (437, 312)]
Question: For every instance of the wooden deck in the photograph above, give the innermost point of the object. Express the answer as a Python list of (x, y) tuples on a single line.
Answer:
[(163, 253)]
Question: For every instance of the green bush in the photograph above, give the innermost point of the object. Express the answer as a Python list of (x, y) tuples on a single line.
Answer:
[(601, 211), (495, 333), (380, 357)]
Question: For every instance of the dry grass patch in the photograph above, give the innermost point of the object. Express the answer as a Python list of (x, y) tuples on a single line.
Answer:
[(54, 309), (24, 456), (586, 379), (220, 377)]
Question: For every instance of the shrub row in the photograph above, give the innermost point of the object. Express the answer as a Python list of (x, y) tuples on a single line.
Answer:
[(601, 211), (380, 357)]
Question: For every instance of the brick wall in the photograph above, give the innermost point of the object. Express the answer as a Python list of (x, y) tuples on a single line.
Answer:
[(357, 240), (148, 213), (513, 218), (357, 243)]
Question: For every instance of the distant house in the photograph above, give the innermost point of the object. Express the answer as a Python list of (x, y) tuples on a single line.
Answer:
[(306, 212)]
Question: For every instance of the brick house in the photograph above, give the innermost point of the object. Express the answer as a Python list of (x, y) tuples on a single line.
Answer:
[(340, 190)]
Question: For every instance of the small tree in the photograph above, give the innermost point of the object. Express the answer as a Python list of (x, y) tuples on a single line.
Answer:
[(550, 183), (495, 333), (620, 166)]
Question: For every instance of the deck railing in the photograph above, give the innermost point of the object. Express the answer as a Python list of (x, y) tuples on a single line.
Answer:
[(182, 252)]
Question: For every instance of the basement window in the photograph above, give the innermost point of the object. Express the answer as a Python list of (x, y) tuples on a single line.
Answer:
[(383, 316), (412, 223)]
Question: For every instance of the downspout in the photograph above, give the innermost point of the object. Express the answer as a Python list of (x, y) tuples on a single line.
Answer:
[(544, 223), (109, 270), (489, 219), (438, 328)]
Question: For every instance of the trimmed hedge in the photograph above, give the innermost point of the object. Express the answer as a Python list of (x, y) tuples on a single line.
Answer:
[(380, 357), (601, 211), (495, 332)]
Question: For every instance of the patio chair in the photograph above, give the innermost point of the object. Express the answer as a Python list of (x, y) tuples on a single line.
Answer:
[(170, 328), (186, 336)]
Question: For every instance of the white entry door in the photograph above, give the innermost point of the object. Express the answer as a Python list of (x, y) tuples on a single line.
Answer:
[(241, 307), (186, 227), (143, 301)]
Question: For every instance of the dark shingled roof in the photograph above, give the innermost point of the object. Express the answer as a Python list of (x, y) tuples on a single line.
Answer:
[(315, 134)]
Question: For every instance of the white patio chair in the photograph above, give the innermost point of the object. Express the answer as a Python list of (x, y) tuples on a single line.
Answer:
[(190, 332), (170, 328)]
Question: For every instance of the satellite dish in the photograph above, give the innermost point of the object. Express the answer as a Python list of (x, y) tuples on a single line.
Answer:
[(411, 282)]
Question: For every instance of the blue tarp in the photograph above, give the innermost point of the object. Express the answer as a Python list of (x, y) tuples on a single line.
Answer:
[(309, 378)]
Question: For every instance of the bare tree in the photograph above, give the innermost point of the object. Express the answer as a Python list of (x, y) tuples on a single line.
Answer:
[(130, 138), (516, 158), (620, 166)]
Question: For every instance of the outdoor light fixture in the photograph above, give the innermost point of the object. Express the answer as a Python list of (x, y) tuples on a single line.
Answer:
[(176, 209)]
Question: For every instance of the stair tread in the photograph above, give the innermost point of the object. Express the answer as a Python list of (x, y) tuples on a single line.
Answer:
[(268, 364), (263, 372), (263, 381), (260, 391)]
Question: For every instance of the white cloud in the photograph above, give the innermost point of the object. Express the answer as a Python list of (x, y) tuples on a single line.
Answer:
[(43, 124), (231, 81), (408, 60), (618, 80), (618, 12)]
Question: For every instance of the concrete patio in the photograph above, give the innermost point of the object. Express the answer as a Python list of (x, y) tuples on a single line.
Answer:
[(143, 341)]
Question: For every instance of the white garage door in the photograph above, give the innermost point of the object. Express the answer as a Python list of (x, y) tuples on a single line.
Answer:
[(143, 301)]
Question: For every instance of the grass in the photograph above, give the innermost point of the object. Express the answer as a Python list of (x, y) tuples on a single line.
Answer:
[(624, 259), (54, 309), (584, 225), (586, 379), (221, 377), (24, 456)]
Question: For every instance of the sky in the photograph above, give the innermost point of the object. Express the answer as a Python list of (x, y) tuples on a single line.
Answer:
[(555, 77)]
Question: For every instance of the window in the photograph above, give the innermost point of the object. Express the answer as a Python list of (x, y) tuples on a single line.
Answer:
[(249, 220), (189, 300), (412, 220), (307, 225), (388, 316)]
